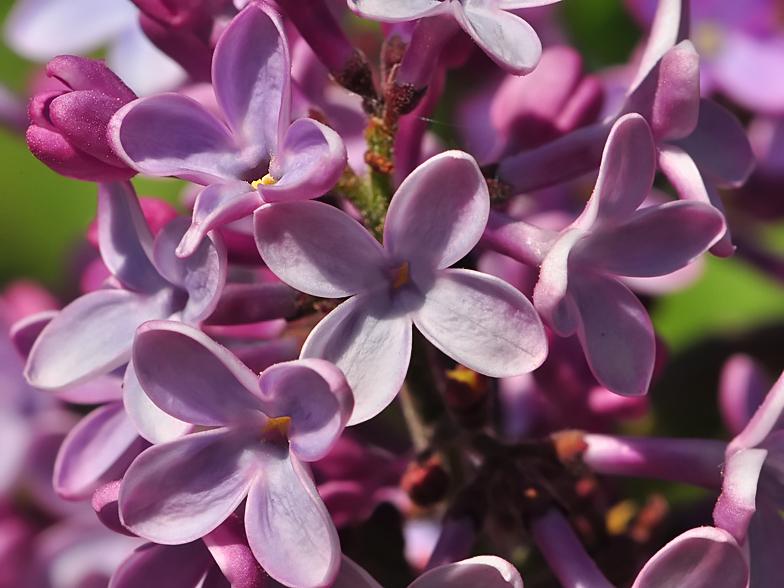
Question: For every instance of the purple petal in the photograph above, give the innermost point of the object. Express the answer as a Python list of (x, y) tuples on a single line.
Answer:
[(100, 447), (104, 503), (229, 548), (192, 378), (288, 527), (743, 385), (352, 575), (25, 331), (299, 242), (164, 566), (125, 238), (655, 241), (438, 214), (150, 421), (91, 336), (371, 343), (766, 529), (719, 146), (670, 26), (216, 206), (769, 417), (506, 38), (615, 332), (483, 323), (251, 74), (700, 558), (309, 162), (202, 275), (176, 492), (487, 571), (625, 175), (315, 395), (737, 502), (173, 135)]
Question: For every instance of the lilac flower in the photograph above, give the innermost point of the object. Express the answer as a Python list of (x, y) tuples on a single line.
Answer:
[(705, 557), (435, 218), (752, 496), (506, 38), (577, 290), (256, 155), (260, 430), (487, 571)]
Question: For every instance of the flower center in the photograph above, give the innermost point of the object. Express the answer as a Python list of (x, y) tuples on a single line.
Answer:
[(402, 276), (267, 180), (280, 424)]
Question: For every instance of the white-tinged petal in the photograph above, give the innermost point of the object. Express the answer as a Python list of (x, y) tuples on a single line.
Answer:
[(487, 571), (398, 11), (150, 421), (483, 323)]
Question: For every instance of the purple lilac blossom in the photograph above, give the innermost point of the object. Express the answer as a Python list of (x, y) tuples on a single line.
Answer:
[(259, 432), (251, 156), (434, 219), (578, 291), (506, 38)]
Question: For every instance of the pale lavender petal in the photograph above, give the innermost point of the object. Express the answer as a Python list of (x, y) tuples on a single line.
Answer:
[(217, 205), (25, 331), (483, 323), (655, 241), (769, 417), (251, 71), (98, 390), (487, 571), (179, 491), (685, 177), (125, 238), (319, 249), (289, 528), (396, 11), (104, 503), (202, 275), (438, 213), (352, 575), (164, 566), (98, 449), (515, 4), (310, 160), (150, 422), (766, 530), (705, 557), (670, 26), (371, 343), (615, 332), (625, 175), (743, 385), (91, 336), (193, 378), (506, 38), (315, 395), (719, 146), (551, 297), (737, 502), (173, 135)]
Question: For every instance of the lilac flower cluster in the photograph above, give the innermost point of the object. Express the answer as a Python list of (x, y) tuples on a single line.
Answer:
[(190, 418)]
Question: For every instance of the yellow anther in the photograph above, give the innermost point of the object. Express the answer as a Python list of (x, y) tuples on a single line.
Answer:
[(402, 276), (267, 180), (465, 375), (279, 423), (619, 517)]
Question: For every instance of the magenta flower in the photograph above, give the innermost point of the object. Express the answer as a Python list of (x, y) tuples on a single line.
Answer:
[(260, 431), (506, 38), (435, 218), (254, 154)]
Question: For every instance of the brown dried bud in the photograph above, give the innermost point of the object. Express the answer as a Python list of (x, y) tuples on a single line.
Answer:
[(426, 481)]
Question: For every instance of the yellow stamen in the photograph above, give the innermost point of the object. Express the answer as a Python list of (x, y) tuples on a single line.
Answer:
[(279, 423), (619, 517), (267, 180), (402, 276), (465, 375)]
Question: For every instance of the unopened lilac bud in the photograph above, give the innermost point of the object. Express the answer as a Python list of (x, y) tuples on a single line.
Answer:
[(68, 127)]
